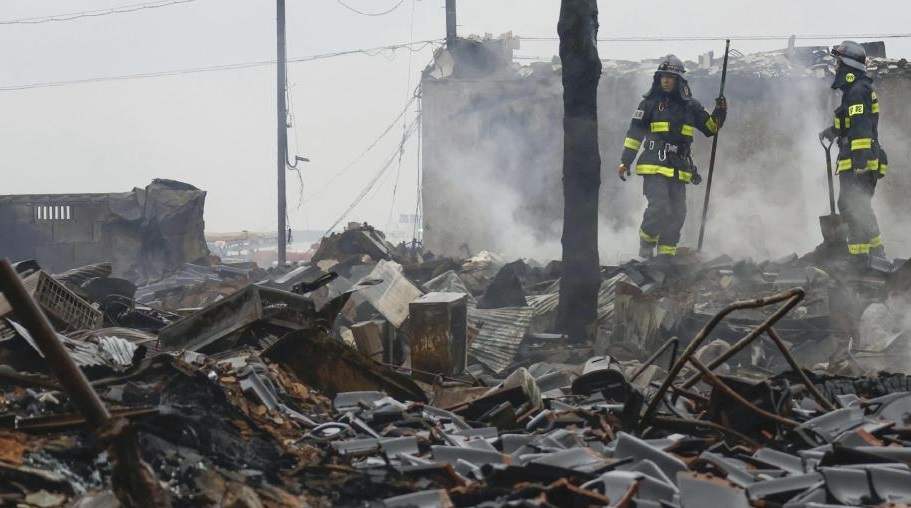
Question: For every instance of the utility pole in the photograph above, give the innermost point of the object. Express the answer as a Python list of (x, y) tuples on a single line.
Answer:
[(282, 119), (450, 22)]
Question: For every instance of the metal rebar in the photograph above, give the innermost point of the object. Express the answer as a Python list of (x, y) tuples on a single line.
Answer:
[(823, 401), (673, 341), (721, 385), (701, 336), (748, 338), (688, 394), (61, 364)]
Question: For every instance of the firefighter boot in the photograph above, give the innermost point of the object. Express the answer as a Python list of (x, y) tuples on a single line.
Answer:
[(646, 250)]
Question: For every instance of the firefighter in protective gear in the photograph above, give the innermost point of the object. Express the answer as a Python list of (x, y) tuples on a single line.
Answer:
[(861, 159), (663, 126)]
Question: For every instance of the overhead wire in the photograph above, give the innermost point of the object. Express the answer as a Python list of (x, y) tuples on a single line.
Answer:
[(398, 171), (363, 153), (413, 47), (362, 13), (71, 16), (373, 181), (418, 199)]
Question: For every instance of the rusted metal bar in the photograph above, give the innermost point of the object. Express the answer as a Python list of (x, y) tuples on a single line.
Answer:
[(718, 383), (702, 424), (823, 401), (701, 336), (72, 380), (66, 421), (688, 394), (748, 338), (673, 341)]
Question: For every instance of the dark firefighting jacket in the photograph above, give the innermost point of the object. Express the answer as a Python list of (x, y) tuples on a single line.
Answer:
[(663, 126), (857, 125)]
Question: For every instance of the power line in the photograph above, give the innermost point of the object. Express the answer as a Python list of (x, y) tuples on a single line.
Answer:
[(215, 68), (362, 13), (731, 37), (398, 171), (70, 16), (376, 177), (363, 153)]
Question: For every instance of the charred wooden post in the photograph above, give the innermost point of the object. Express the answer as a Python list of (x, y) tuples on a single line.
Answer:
[(578, 30)]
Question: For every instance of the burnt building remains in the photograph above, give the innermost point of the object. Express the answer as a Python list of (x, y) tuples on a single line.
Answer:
[(492, 150), (143, 233)]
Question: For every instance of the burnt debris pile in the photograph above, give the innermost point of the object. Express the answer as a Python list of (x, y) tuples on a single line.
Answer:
[(378, 375)]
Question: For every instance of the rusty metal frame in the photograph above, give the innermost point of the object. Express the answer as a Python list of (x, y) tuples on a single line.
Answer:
[(791, 297), (673, 341), (749, 338), (719, 384)]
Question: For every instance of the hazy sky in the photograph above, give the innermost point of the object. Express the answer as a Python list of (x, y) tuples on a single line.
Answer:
[(216, 130)]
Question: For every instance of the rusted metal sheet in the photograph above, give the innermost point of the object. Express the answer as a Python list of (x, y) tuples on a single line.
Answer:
[(332, 367), (236, 312), (439, 333)]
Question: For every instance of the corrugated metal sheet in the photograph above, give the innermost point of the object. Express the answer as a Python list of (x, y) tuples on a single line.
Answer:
[(606, 297), (114, 353), (117, 352), (545, 305), (501, 332), (77, 276)]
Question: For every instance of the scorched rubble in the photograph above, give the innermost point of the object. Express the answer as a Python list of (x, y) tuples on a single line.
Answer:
[(303, 386)]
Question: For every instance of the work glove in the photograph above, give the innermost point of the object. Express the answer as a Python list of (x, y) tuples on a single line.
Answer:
[(623, 171), (721, 103), (828, 134), (697, 179)]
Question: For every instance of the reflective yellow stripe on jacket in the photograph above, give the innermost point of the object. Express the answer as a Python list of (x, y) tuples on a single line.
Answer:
[(846, 165), (661, 126), (654, 169), (861, 144), (711, 125), (632, 144)]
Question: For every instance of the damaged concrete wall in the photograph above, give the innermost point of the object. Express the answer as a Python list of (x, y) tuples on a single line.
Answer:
[(145, 233), (492, 152)]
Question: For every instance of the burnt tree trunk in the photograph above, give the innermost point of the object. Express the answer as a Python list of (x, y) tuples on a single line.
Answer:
[(577, 313)]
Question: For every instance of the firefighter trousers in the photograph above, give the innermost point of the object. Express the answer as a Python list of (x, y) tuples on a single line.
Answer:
[(665, 213), (855, 203)]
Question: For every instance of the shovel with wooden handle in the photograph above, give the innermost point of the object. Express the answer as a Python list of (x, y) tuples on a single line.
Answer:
[(834, 230)]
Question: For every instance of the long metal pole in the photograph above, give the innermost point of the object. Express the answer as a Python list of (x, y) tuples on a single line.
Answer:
[(281, 120), (708, 183)]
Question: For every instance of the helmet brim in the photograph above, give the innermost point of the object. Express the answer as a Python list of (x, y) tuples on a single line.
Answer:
[(854, 64)]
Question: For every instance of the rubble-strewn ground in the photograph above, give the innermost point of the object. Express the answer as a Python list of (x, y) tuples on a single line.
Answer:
[(303, 386)]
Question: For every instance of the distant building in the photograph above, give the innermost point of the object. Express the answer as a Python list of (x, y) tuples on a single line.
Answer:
[(144, 233)]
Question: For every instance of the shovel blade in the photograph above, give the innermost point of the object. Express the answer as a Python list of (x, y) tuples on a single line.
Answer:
[(834, 229)]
